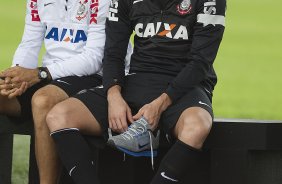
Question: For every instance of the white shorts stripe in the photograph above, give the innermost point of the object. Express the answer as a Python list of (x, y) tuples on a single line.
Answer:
[(207, 19)]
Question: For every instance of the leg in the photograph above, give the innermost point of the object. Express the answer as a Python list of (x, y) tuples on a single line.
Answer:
[(9, 107), (42, 102), (72, 113), (66, 121), (47, 160), (191, 130), (193, 127)]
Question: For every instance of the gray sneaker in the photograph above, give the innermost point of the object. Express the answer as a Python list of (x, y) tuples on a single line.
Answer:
[(137, 141)]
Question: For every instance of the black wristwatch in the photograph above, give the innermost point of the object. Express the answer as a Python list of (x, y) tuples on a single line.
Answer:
[(43, 74)]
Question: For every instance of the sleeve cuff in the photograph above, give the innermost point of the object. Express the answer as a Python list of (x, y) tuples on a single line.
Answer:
[(108, 84), (172, 95)]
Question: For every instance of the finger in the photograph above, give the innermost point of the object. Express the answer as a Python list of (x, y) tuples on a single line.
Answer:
[(119, 125), (111, 122), (16, 80), (3, 92), (110, 125), (129, 115), (12, 85), (7, 80), (138, 115), (21, 90), (155, 125), (2, 86), (7, 92), (114, 126), (14, 94), (5, 86), (123, 124), (25, 87)]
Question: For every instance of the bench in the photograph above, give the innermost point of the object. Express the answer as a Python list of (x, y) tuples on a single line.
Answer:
[(237, 151)]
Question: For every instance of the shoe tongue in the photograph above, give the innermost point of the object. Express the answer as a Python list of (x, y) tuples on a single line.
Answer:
[(137, 124), (143, 121)]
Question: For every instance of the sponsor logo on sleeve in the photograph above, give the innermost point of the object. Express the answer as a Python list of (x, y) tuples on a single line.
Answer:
[(94, 11), (34, 11), (209, 16), (113, 11), (210, 7)]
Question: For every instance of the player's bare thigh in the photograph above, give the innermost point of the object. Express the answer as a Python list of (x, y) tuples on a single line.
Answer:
[(72, 113)]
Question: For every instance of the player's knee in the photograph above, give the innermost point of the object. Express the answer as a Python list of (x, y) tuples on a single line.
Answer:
[(195, 128), (57, 118), (42, 101)]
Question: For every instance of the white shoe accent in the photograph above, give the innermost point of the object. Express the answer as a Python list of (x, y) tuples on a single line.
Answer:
[(137, 1), (166, 177), (72, 170), (200, 102)]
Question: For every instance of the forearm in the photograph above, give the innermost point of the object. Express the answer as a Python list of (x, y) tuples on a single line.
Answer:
[(164, 101), (113, 92)]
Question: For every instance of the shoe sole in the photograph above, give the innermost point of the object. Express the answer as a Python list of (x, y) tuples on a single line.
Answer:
[(138, 154), (132, 153)]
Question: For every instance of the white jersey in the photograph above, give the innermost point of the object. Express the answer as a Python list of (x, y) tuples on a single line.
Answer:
[(73, 32)]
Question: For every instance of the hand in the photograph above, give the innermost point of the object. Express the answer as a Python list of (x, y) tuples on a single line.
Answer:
[(118, 110), (16, 91), (6, 87), (152, 111), (17, 75)]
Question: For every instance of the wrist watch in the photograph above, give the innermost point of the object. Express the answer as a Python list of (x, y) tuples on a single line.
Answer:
[(43, 73)]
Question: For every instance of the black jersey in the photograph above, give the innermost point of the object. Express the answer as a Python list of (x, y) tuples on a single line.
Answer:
[(178, 38)]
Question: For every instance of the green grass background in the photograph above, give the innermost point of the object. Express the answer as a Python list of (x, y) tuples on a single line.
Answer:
[(249, 63)]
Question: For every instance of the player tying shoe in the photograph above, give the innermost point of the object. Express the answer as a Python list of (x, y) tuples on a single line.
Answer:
[(170, 84)]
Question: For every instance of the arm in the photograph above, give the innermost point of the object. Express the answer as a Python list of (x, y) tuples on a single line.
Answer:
[(208, 33), (27, 52), (90, 60), (118, 31)]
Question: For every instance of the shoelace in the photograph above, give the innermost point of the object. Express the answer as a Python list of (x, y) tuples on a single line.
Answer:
[(151, 146), (132, 132)]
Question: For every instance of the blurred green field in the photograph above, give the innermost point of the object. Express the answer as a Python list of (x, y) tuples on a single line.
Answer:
[(249, 63)]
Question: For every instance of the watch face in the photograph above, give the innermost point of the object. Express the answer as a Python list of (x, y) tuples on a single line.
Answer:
[(43, 75)]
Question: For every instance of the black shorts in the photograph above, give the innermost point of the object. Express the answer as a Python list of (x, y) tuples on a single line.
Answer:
[(141, 89), (71, 85)]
